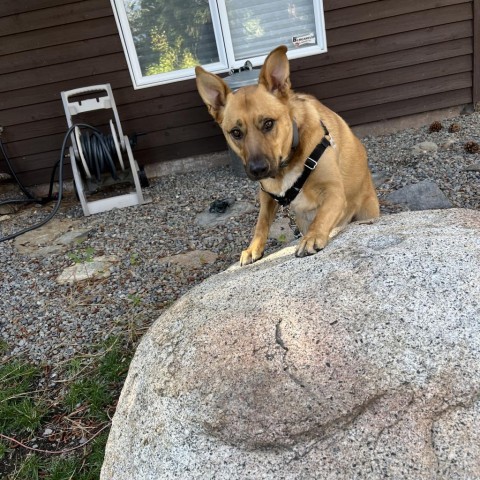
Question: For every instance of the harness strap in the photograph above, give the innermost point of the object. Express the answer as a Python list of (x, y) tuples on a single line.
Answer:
[(310, 164)]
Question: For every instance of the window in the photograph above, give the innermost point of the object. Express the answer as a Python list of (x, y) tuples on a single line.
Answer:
[(165, 39)]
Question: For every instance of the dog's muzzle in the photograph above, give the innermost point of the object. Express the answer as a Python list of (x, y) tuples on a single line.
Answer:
[(258, 168)]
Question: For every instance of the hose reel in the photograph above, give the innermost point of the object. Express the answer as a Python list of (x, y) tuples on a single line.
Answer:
[(97, 158)]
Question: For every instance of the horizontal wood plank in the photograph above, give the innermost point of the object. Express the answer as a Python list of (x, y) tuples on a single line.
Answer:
[(373, 81), (60, 54), (381, 10), (397, 93), (408, 107), (56, 73), (385, 62), (57, 15), (149, 107), (402, 23), (60, 35), (15, 7), (338, 4), (476, 49)]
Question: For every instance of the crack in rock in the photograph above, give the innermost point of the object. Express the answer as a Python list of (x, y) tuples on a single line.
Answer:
[(278, 336), (319, 433)]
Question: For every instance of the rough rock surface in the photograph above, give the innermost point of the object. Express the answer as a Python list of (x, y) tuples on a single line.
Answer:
[(362, 361)]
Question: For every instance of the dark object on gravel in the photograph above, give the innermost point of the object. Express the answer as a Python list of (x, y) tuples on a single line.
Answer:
[(454, 128), (435, 127), (220, 206), (472, 147)]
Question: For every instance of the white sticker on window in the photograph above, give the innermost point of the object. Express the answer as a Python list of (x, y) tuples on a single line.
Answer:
[(300, 40)]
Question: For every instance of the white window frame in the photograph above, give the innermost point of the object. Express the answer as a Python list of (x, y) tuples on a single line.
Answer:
[(225, 50)]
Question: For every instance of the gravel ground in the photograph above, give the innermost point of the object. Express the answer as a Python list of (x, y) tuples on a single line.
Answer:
[(49, 322)]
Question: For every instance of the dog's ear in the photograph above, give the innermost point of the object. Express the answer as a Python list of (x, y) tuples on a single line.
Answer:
[(213, 91), (275, 73)]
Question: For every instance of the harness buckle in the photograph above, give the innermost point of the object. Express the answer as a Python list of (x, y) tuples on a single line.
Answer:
[(310, 166)]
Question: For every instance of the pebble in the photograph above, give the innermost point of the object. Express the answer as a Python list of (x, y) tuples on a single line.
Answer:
[(73, 317), (425, 147)]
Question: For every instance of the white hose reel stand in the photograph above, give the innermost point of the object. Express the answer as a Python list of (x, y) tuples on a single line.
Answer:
[(103, 99)]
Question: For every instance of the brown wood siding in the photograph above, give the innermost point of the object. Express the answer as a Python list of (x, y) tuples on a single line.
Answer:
[(385, 59), (476, 50)]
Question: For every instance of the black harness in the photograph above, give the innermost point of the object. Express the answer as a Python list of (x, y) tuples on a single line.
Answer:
[(310, 164)]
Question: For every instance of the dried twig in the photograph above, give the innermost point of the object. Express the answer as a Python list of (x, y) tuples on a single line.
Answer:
[(54, 452)]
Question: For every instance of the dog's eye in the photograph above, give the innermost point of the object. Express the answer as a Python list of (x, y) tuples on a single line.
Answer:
[(236, 133), (268, 125)]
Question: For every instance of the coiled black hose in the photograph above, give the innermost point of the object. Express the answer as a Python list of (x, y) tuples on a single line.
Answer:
[(99, 152), (102, 146)]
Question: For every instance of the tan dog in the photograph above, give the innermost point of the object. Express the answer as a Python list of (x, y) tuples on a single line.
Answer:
[(259, 123)]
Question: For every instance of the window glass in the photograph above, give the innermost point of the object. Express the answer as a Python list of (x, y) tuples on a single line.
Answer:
[(171, 35), (258, 26)]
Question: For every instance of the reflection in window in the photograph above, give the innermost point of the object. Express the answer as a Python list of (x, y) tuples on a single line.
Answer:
[(258, 26), (170, 35)]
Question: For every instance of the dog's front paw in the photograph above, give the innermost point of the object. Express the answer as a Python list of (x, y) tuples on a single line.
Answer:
[(250, 255), (310, 244)]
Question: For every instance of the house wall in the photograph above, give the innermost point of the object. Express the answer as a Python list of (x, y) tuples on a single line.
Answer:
[(385, 59)]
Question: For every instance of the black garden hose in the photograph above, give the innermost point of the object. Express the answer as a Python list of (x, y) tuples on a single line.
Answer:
[(100, 154), (30, 197)]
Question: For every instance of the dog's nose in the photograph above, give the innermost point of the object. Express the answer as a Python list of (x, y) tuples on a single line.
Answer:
[(258, 168)]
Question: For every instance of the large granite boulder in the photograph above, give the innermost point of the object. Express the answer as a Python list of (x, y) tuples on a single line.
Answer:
[(362, 361)]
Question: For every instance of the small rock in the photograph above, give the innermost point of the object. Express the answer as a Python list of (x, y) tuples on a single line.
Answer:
[(51, 238), (212, 219), (448, 144), (8, 209), (193, 259), (423, 195), (425, 147), (47, 432), (99, 267), (74, 236)]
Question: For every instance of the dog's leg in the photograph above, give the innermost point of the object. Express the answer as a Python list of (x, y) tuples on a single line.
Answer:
[(369, 209), (268, 210), (330, 213)]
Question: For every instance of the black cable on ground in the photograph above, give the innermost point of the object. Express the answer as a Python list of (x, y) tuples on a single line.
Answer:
[(99, 153), (58, 165), (30, 197)]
